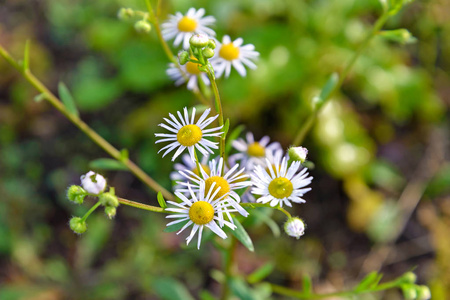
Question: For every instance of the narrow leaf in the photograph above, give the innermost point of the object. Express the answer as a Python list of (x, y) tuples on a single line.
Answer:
[(328, 88), (371, 280), (240, 289), (233, 135), (161, 200), (124, 155), (171, 289), (307, 285), (268, 221), (40, 97), (67, 99), (26, 56), (260, 273), (242, 235), (175, 227), (402, 36), (107, 164), (226, 127)]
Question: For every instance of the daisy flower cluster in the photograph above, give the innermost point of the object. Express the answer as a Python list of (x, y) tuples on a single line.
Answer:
[(228, 53), (210, 190)]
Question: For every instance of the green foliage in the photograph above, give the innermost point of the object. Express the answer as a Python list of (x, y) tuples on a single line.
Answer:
[(242, 235), (107, 164), (67, 99), (170, 289)]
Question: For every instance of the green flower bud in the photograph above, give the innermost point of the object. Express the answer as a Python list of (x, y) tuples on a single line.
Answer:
[(199, 40), (183, 57), (109, 199), (125, 13), (409, 291), (142, 26), (76, 194), (211, 44), (208, 53), (298, 154), (110, 211), (78, 225), (423, 292), (409, 277)]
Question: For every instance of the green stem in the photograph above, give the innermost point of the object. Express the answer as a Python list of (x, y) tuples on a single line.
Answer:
[(254, 205), (219, 111), (142, 206), (94, 207), (94, 136), (229, 257), (303, 295), (307, 125)]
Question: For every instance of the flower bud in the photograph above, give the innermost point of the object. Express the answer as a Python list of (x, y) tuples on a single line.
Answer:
[(78, 225), (423, 292), (109, 199), (294, 227), (298, 153), (76, 194), (183, 57), (199, 40), (142, 26), (110, 211), (409, 291), (208, 53), (211, 44), (409, 277), (93, 183), (125, 13)]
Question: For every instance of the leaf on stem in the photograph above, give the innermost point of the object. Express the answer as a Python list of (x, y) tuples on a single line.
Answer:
[(240, 289), (233, 135), (260, 273), (161, 200), (124, 155), (40, 97), (329, 87), (107, 164), (261, 216), (225, 128), (175, 227), (242, 235), (171, 289), (369, 282), (67, 99)]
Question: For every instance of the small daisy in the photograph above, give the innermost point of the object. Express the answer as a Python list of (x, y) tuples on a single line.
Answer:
[(233, 53), (279, 185), (183, 27), (188, 72), (253, 152), (202, 210), (230, 182), (186, 134)]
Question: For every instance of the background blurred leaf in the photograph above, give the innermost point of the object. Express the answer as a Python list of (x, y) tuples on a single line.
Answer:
[(107, 164), (171, 289)]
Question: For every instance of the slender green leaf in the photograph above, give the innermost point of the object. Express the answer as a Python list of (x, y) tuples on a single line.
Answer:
[(40, 97), (107, 164), (175, 227), (260, 273), (233, 135), (240, 289), (124, 155), (402, 36), (67, 99), (268, 221), (26, 56), (226, 127), (205, 295), (370, 281), (306, 285), (330, 85), (171, 289), (242, 235), (161, 200)]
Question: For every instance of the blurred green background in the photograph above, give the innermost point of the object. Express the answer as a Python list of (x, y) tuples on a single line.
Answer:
[(380, 145)]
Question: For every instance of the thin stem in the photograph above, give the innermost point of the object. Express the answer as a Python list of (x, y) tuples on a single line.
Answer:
[(94, 207), (254, 205), (94, 136), (142, 206), (229, 257), (219, 111), (307, 125)]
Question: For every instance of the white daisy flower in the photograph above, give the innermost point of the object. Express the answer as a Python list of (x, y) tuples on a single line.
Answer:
[(182, 27), (186, 134), (188, 72), (201, 210), (279, 185), (254, 152), (230, 53), (93, 183), (188, 164), (230, 182)]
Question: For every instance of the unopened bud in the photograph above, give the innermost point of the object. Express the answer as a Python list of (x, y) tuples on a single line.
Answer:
[(409, 277), (183, 57), (76, 194), (78, 225), (110, 211), (199, 40), (423, 292), (294, 227), (208, 53), (93, 183), (409, 291), (109, 199), (125, 13), (142, 26), (211, 44), (298, 153)]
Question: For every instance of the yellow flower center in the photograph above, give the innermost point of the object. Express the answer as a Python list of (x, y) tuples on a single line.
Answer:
[(204, 167), (201, 212), (280, 187), (229, 52), (220, 182), (192, 68), (187, 24), (189, 135), (256, 149)]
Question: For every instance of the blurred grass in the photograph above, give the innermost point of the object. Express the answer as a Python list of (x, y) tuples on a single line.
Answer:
[(367, 144)]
